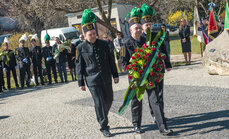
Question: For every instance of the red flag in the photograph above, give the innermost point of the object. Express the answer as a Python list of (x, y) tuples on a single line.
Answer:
[(212, 26)]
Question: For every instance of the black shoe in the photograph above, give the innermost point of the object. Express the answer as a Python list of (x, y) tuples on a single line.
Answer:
[(42, 83), (56, 82), (4, 88), (138, 130), (166, 132), (17, 87), (106, 133)]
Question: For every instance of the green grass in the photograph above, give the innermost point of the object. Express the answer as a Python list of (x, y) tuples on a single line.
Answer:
[(175, 45)]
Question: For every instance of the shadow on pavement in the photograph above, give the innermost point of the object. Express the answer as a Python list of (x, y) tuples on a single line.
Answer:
[(4, 117), (187, 125), (187, 122), (27, 90)]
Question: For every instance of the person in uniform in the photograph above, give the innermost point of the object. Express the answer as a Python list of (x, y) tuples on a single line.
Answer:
[(50, 63), (23, 61), (156, 107), (155, 95), (10, 66), (95, 65), (36, 60), (61, 61)]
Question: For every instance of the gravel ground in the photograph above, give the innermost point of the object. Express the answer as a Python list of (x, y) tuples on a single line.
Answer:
[(196, 104)]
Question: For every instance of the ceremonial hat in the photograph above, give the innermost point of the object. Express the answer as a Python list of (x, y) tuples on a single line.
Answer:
[(23, 38), (88, 20), (34, 37), (6, 40), (135, 16), (147, 13), (47, 37)]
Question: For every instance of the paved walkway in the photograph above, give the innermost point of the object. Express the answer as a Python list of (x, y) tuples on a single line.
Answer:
[(195, 102)]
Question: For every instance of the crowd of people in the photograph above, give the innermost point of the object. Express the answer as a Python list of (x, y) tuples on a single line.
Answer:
[(23, 57)]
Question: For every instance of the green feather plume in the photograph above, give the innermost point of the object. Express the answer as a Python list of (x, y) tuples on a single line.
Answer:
[(47, 37), (88, 17), (135, 12), (147, 10)]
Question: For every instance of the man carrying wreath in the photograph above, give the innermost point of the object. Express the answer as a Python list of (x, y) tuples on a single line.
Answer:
[(145, 60)]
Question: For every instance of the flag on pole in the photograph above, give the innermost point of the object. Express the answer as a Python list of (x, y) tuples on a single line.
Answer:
[(213, 25), (197, 29), (226, 21)]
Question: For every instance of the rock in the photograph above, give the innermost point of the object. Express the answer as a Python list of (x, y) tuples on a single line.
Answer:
[(216, 55)]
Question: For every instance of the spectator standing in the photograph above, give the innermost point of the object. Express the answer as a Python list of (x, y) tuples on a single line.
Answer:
[(184, 32), (10, 66), (166, 40), (60, 60), (118, 43), (23, 61), (50, 63), (37, 61)]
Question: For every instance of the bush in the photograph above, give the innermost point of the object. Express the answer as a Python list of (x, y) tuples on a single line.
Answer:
[(175, 18)]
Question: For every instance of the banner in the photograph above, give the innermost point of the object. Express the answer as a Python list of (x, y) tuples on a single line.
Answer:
[(197, 29), (226, 21), (213, 25)]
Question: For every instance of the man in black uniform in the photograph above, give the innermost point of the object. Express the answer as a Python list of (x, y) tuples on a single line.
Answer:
[(155, 96), (50, 63), (1, 75), (96, 65), (61, 61), (36, 60), (10, 66), (23, 61)]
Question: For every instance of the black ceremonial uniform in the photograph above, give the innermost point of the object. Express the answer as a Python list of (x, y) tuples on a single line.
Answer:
[(23, 61), (37, 61), (1, 75), (11, 67), (96, 65), (156, 94), (50, 63), (156, 105)]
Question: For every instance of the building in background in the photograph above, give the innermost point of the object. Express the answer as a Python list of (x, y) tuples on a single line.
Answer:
[(118, 14)]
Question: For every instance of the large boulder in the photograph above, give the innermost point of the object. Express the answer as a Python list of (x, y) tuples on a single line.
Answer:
[(216, 55)]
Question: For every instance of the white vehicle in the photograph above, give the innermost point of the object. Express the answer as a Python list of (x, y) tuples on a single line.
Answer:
[(62, 33)]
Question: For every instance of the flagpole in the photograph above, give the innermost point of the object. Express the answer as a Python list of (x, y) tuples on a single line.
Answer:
[(201, 49)]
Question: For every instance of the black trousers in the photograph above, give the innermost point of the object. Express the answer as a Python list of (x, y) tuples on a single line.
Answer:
[(156, 107), (1, 78), (37, 67), (160, 96), (24, 74), (51, 65), (103, 97), (13, 70)]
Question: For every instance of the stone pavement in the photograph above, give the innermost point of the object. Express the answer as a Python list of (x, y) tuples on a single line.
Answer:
[(196, 104), (180, 58)]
